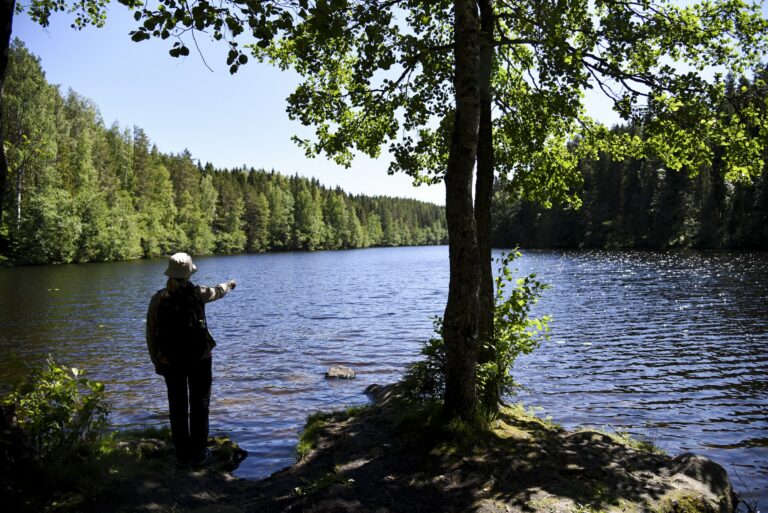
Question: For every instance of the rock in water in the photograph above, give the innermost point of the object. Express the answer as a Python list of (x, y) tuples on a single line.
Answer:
[(226, 455), (382, 394), (340, 373)]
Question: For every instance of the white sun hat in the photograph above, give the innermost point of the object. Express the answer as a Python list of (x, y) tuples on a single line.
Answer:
[(180, 266)]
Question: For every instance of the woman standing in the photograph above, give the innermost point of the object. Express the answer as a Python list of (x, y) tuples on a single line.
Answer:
[(180, 347)]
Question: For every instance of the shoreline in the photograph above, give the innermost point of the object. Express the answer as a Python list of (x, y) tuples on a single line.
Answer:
[(6, 262), (382, 458)]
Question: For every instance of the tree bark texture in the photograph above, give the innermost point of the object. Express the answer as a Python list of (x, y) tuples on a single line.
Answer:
[(460, 322), (6, 26), (484, 183)]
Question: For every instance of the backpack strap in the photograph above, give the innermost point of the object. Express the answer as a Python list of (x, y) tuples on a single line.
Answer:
[(197, 300)]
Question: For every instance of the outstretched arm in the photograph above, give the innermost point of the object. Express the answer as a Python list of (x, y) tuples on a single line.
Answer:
[(208, 294)]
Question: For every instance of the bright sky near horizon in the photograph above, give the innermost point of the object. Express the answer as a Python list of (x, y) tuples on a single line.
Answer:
[(229, 120)]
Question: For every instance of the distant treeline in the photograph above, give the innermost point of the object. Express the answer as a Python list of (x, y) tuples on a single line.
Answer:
[(80, 192), (640, 204)]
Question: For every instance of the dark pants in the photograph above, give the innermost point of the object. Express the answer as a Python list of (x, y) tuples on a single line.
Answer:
[(189, 411)]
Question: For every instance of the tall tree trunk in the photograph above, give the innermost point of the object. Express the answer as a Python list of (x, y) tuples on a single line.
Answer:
[(6, 25), (484, 193), (19, 184), (461, 312)]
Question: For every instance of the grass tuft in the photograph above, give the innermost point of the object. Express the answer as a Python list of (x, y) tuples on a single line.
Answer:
[(639, 444), (315, 424)]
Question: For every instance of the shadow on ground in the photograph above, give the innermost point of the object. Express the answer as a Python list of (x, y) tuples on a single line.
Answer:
[(380, 461)]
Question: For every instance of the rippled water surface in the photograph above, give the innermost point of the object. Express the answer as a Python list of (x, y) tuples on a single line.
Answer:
[(670, 346)]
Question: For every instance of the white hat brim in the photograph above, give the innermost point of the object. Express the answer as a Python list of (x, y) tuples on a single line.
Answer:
[(171, 274)]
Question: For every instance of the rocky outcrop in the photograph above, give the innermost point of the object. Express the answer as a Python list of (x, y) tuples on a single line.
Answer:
[(386, 460), (382, 395)]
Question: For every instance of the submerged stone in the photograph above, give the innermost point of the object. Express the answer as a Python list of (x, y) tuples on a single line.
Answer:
[(340, 372)]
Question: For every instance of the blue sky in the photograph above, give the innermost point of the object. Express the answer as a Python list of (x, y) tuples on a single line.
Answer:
[(229, 120)]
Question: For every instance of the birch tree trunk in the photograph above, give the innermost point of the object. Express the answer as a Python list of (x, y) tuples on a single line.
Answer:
[(460, 322)]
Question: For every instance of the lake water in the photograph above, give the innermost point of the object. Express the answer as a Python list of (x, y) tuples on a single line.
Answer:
[(669, 346)]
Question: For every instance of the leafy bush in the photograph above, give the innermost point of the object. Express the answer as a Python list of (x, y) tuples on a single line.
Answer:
[(61, 413), (424, 380), (514, 334)]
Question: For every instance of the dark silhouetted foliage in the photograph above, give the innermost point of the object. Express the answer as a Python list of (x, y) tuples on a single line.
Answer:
[(639, 203)]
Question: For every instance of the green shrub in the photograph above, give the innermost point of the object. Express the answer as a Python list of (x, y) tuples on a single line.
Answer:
[(514, 334), (61, 413), (424, 380)]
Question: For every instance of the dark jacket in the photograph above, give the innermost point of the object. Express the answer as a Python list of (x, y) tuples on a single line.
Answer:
[(206, 295)]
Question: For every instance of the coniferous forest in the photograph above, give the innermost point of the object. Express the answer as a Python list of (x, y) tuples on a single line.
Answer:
[(641, 204), (79, 191)]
